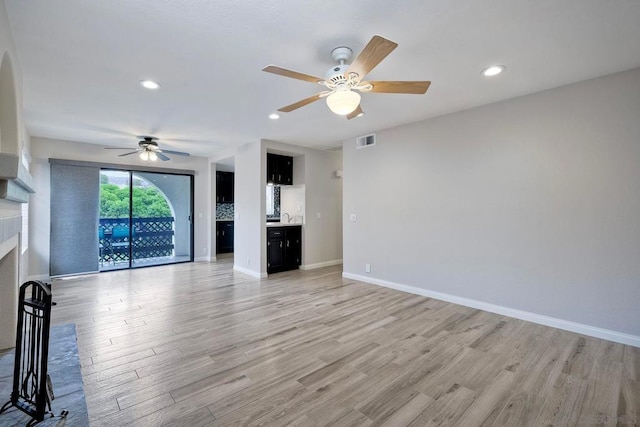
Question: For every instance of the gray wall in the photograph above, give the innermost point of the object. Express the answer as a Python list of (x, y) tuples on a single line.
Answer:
[(531, 204)]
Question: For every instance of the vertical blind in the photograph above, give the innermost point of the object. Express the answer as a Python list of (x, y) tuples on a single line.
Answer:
[(75, 200)]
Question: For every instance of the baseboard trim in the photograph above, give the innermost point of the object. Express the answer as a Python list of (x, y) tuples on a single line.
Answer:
[(204, 259), (250, 272), (580, 328), (321, 264)]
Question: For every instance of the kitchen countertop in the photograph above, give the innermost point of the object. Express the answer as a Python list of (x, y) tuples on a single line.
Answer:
[(283, 224)]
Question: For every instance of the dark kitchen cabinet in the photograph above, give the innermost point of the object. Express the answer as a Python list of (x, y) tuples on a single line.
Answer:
[(224, 187), (275, 249), (279, 169), (224, 237), (292, 247), (284, 248)]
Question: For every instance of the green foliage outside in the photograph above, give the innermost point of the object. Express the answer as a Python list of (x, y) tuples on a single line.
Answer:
[(148, 202)]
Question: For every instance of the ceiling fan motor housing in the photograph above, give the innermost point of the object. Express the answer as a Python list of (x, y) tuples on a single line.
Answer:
[(335, 74), (148, 145)]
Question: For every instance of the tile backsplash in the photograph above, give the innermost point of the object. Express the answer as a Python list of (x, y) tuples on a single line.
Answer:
[(276, 204), (224, 211)]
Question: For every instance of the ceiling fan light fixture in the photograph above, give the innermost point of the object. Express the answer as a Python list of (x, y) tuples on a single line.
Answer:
[(153, 156), (343, 102), (144, 155)]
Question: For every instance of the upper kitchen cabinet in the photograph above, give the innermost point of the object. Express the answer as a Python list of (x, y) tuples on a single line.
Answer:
[(279, 169), (224, 187)]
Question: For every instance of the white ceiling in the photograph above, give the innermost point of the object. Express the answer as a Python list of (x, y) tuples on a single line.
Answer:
[(82, 61)]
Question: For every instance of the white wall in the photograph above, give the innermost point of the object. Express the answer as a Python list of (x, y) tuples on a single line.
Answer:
[(13, 140), (292, 202), (249, 210), (530, 204), (44, 149)]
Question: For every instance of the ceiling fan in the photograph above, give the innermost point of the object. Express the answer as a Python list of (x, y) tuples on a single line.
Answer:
[(344, 81), (149, 150)]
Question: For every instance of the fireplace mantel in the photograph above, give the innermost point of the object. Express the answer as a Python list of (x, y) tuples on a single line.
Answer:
[(15, 181)]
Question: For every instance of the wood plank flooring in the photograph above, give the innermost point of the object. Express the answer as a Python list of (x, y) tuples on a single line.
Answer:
[(199, 345)]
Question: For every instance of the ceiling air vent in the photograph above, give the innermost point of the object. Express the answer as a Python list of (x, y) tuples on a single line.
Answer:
[(366, 141)]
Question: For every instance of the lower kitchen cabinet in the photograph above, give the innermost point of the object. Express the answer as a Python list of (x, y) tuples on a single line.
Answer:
[(284, 248), (224, 237)]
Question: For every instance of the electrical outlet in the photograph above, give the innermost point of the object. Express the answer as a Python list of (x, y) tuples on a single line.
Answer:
[(353, 217), (367, 268)]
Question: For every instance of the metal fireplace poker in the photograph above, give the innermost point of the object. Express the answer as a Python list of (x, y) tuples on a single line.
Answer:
[(32, 391)]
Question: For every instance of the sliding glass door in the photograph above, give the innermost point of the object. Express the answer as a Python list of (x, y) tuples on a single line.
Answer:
[(145, 219)]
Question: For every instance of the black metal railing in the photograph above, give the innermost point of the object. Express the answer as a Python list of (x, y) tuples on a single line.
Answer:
[(147, 238)]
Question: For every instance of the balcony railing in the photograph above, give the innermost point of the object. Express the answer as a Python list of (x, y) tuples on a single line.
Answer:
[(149, 238)]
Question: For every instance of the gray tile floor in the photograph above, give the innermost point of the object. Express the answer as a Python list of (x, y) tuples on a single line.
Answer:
[(64, 370)]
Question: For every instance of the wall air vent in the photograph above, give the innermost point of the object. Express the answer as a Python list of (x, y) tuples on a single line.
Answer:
[(366, 141)]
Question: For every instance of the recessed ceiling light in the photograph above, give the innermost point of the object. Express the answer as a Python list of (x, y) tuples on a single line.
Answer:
[(149, 84), (274, 116), (494, 70)]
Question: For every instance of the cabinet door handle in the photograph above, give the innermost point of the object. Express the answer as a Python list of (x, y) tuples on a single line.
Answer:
[(279, 177), (280, 243), (287, 243), (223, 232)]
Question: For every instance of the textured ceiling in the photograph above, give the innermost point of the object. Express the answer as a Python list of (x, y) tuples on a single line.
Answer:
[(82, 60)]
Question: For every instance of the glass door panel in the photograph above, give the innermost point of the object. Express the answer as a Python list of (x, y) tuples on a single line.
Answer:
[(113, 228), (161, 217)]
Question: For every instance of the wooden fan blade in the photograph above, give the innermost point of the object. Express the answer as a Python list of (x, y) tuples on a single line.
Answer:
[(293, 74), (117, 148), (161, 156), (177, 153), (355, 113), (127, 154), (416, 87), (302, 103), (373, 53)]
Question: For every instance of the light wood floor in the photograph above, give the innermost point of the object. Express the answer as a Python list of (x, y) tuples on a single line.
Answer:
[(199, 345)]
